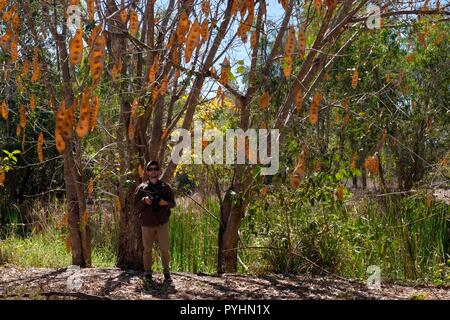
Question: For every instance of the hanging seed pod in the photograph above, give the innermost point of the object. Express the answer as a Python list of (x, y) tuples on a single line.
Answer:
[(299, 100), (265, 100), (94, 113), (26, 68), (18, 130), (183, 27), (354, 163), (290, 42), (140, 171), (96, 56), (33, 102), (8, 14), (340, 192), (132, 124), (163, 88), (91, 186), (314, 109), (14, 50), (16, 22), (2, 177), (300, 169), (4, 111), (82, 128), (205, 7), (134, 24), (76, 47), (345, 120), (152, 74), (23, 117), (192, 40), (301, 42), (36, 68), (59, 140), (204, 31), (123, 13), (318, 4), (6, 37), (90, 10), (224, 73), (355, 79), (39, 147)]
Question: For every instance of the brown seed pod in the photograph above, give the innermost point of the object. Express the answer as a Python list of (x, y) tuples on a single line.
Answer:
[(8, 14), (14, 49), (26, 68), (82, 128), (340, 192), (133, 115), (265, 100), (134, 23), (4, 111), (183, 27), (6, 37), (163, 88), (123, 13), (36, 68), (23, 117), (355, 79), (314, 109), (192, 40), (94, 113), (290, 42), (90, 10), (33, 102), (354, 163), (301, 42), (205, 7), (16, 22), (91, 186), (204, 30), (299, 100), (76, 47), (96, 56), (224, 73), (40, 142)]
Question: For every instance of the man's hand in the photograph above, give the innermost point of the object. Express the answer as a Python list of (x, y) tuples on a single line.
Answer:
[(163, 202), (147, 200)]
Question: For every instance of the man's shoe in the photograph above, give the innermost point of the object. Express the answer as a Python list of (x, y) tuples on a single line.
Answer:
[(148, 278), (167, 278)]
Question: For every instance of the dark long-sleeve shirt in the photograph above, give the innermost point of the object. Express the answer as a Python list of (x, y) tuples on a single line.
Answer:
[(148, 216)]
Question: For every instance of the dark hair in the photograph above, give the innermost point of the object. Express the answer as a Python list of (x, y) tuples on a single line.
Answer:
[(152, 163)]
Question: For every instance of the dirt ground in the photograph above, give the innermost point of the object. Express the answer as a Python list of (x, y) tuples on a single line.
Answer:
[(96, 283)]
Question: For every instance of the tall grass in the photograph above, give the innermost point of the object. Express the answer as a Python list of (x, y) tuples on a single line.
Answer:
[(404, 237)]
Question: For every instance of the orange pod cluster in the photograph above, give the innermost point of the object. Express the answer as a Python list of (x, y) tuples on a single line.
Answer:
[(97, 54)]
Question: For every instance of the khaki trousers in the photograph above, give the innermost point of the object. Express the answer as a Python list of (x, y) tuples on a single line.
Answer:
[(149, 234)]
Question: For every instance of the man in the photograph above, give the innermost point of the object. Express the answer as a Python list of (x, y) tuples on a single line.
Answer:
[(153, 200)]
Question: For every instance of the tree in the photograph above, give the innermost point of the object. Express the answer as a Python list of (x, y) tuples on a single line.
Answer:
[(156, 63)]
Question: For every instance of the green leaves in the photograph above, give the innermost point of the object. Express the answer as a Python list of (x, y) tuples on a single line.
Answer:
[(9, 160)]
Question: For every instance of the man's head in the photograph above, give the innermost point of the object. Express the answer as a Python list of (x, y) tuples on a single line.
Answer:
[(152, 169)]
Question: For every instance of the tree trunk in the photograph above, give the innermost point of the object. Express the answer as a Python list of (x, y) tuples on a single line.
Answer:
[(78, 232), (130, 237)]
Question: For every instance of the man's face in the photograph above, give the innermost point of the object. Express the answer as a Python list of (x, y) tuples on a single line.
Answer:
[(153, 172)]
